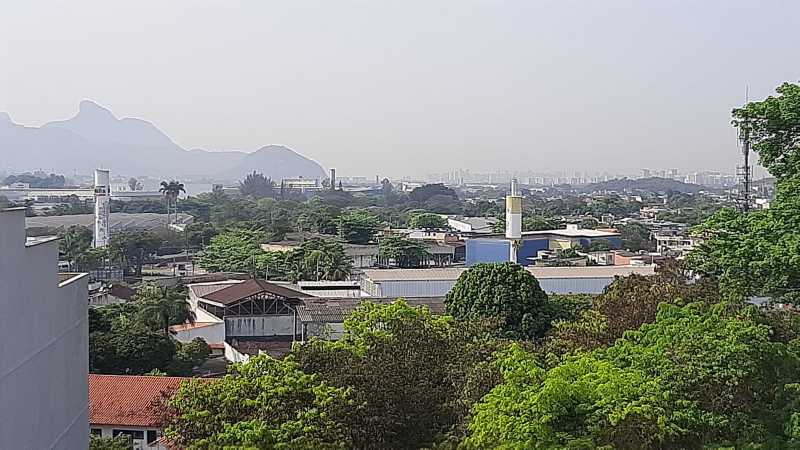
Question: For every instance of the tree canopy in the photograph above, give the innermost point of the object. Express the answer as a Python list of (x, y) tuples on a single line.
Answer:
[(503, 291), (256, 185)]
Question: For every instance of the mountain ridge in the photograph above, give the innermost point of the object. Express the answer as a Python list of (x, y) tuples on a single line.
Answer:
[(95, 137)]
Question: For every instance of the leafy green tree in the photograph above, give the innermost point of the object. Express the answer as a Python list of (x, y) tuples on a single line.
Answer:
[(410, 401), (635, 237), (318, 259), (424, 193), (130, 348), (427, 220), (589, 223), (402, 251), (121, 442), (774, 128), (199, 234), (266, 403), (235, 250), (505, 292), (698, 377), (171, 190), (257, 186), (75, 242), (599, 245), (132, 248), (625, 305), (357, 226), (163, 306)]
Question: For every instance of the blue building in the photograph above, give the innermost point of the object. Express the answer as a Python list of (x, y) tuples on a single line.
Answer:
[(493, 250), (496, 249)]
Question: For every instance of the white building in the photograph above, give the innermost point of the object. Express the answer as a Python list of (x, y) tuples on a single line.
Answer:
[(44, 357), (395, 283)]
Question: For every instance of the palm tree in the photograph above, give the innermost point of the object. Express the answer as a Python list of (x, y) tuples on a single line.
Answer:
[(168, 308), (171, 190)]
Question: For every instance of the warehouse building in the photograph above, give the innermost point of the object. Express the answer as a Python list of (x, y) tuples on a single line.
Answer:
[(394, 283), (497, 249)]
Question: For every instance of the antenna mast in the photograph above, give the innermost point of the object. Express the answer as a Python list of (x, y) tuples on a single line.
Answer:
[(745, 172)]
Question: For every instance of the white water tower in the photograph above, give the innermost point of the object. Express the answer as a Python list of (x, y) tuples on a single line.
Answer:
[(102, 207), (514, 220)]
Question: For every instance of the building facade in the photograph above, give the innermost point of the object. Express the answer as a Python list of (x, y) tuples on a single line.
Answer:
[(44, 356)]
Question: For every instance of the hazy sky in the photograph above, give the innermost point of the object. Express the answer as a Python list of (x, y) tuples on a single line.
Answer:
[(411, 87)]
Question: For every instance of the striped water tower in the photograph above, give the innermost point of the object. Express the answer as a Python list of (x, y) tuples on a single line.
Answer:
[(514, 220), (102, 207)]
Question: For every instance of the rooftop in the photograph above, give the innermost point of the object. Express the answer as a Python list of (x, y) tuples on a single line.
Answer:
[(452, 273), (574, 232), (240, 291), (127, 400)]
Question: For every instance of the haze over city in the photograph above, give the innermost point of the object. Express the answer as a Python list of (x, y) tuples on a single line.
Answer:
[(415, 87)]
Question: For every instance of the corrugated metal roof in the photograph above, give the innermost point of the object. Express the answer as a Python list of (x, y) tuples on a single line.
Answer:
[(452, 273), (249, 288), (201, 290)]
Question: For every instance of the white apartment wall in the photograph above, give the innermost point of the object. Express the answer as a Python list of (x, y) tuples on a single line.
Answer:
[(212, 334), (43, 345)]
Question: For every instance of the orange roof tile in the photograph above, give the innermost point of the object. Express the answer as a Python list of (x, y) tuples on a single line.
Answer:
[(127, 399)]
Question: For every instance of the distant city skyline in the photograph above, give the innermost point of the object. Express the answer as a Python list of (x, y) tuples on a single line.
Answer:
[(411, 88)]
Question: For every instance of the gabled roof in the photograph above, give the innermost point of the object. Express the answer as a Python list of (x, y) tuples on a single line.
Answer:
[(126, 400), (249, 288)]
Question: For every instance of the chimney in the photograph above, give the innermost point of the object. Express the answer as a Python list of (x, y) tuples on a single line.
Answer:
[(333, 179)]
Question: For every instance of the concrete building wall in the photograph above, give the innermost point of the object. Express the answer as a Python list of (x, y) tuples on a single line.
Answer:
[(212, 334), (44, 357), (497, 250), (259, 326), (416, 288), (487, 251)]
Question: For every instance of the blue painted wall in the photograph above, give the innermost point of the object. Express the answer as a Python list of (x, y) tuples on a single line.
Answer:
[(529, 249), (486, 251), (497, 250)]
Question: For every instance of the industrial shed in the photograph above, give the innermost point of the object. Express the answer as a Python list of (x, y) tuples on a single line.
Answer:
[(394, 283)]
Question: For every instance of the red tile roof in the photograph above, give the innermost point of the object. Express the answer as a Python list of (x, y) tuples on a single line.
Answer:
[(127, 399), (249, 288)]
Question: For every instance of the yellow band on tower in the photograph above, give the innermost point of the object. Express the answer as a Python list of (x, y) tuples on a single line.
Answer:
[(514, 205)]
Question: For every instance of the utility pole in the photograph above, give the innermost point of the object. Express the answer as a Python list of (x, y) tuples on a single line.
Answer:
[(745, 172)]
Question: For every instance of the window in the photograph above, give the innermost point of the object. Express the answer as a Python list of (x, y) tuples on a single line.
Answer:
[(152, 436), (96, 431), (134, 434)]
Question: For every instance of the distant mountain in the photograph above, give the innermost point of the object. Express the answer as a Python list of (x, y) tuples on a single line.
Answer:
[(96, 138), (652, 184)]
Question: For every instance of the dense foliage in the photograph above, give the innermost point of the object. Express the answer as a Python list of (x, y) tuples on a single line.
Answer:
[(401, 251), (698, 376), (133, 338), (757, 253), (357, 226), (256, 185), (504, 292), (265, 403)]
